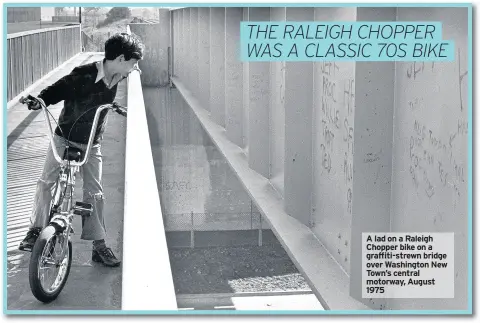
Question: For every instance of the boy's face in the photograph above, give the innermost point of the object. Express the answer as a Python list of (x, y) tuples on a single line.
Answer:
[(124, 67)]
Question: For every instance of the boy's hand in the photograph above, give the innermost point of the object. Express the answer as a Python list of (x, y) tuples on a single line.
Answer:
[(34, 105), (31, 103)]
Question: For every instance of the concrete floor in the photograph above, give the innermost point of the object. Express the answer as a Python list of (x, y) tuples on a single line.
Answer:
[(257, 302)]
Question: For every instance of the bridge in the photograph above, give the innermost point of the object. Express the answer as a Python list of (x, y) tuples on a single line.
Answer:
[(323, 151)]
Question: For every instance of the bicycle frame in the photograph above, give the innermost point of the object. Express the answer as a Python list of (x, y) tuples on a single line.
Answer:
[(62, 214), (90, 139)]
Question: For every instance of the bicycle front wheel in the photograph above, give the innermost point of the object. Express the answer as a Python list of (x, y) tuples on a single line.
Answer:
[(50, 264)]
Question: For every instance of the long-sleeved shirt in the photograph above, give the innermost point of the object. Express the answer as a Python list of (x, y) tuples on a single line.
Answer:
[(83, 91)]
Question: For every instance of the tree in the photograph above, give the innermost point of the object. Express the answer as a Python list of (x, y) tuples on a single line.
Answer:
[(115, 14), (118, 13), (90, 9)]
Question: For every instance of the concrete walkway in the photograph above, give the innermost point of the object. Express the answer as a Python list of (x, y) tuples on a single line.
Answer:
[(90, 286)]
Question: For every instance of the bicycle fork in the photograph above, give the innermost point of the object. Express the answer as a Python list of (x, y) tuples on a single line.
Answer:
[(65, 210)]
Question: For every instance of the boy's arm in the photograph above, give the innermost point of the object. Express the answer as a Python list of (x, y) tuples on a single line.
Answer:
[(62, 89)]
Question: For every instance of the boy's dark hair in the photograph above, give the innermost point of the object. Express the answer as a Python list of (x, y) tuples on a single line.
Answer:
[(129, 45)]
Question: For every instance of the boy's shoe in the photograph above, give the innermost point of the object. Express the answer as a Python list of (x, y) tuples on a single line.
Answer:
[(105, 255), (30, 239)]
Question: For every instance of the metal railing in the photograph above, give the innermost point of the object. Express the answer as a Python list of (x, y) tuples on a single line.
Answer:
[(225, 221), (33, 54)]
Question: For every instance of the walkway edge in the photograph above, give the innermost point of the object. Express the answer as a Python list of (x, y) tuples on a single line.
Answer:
[(147, 282), (246, 294)]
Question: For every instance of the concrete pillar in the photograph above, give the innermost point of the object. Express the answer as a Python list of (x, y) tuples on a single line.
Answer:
[(194, 50), (374, 94), (204, 60), (176, 42), (188, 49), (181, 59), (233, 76), (259, 105), (217, 65), (298, 130), (165, 18), (246, 95), (332, 147), (277, 114)]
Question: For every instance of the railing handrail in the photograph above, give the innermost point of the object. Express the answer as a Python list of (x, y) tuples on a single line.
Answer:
[(38, 31)]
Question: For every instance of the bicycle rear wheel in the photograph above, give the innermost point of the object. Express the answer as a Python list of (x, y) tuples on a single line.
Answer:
[(49, 265)]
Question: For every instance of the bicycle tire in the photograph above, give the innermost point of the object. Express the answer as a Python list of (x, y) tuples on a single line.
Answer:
[(34, 276)]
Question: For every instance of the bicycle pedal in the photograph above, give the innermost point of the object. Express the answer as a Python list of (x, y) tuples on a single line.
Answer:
[(83, 209), (22, 248)]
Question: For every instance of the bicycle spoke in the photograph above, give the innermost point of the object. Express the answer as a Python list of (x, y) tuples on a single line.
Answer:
[(53, 263)]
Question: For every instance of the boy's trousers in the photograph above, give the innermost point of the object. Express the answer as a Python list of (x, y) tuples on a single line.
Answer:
[(91, 172)]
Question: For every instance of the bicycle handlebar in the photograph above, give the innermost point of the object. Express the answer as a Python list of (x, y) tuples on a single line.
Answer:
[(112, 106)]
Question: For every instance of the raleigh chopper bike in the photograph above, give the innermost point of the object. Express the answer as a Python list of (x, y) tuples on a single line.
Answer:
[(51, 256)]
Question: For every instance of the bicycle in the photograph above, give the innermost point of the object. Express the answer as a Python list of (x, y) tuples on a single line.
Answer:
[(53, 247)]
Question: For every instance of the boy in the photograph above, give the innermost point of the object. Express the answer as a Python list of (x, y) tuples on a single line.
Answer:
[(85, 88)]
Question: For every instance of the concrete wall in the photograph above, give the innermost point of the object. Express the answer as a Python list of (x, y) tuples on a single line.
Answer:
[(192, 175), (154, 65)]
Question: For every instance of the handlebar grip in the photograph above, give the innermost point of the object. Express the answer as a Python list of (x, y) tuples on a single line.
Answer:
[(121, 111), (30, 101)]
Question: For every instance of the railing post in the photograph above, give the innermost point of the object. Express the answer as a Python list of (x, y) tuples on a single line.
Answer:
[(251, 215), (192, 233), (170, 66), (260, 237)]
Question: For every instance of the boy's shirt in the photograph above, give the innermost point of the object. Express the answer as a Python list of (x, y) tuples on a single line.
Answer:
[(83, 91)]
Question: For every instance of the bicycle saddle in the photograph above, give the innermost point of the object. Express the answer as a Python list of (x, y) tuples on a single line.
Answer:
[(74, 154)]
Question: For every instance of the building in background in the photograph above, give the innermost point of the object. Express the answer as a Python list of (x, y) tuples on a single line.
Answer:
[(23, 14), (29, 14)]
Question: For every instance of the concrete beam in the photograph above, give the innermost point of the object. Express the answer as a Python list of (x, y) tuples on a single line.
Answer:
[(204, 60), (277, 114), (183, 43), (259, 106), (217, 65), (299, 130), (246, 94), (332, 148), (194, 50), (186, 47), (233, 76), (176, 30), (374, 96)]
